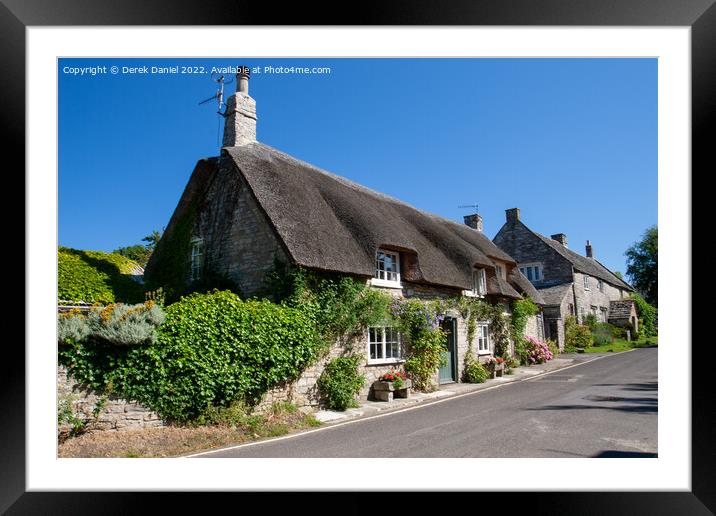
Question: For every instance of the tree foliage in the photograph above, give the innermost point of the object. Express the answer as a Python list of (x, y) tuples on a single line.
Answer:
[(141, 253), (642, 265)]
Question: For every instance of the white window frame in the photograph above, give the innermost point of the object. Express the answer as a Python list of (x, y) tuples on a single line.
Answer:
[(479, 282), (535, 267), (586, 282), (480, 326), (604, 311), (498, 270), (383, 342), (382, 282), (196, 259)]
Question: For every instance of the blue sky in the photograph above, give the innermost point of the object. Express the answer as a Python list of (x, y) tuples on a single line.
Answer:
[(571, 142)]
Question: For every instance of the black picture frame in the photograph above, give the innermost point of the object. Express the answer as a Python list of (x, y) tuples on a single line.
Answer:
[(700, 15)]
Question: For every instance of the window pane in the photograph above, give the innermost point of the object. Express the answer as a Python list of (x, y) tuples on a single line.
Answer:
[(529, 273)]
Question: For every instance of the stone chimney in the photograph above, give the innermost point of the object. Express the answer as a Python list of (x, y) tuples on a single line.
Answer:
[(513, 215), (561, 238), (474, 221), (588, 249), (240, 116)]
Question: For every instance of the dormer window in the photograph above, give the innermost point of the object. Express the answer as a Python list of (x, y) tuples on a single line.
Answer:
[(498, 270), (479, 282), (387, 268), (532, 271), (197, 255)]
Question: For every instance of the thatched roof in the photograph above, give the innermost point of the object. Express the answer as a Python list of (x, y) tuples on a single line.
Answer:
[(330, 223), (583, 264)]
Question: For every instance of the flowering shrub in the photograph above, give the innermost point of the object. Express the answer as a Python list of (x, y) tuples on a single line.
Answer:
[(397, 377), (537, 351)]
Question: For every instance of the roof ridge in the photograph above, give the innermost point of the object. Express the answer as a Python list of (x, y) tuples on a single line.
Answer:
[(362, 188)]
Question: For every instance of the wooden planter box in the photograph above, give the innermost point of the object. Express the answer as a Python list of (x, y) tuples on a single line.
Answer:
[(386, 391)]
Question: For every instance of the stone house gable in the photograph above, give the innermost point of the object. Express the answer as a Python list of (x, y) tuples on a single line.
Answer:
[(570, 284)]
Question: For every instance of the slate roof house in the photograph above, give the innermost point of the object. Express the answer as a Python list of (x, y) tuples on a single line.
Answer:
[(253, 204), (570, 284)]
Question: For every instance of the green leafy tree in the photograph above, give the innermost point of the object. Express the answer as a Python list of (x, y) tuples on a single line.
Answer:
[(642, 266), (152, 239), (141, 253), (138, 253)]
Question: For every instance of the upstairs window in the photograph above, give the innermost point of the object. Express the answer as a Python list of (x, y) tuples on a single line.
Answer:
[(384, 345), (498, 270), (197, 258), (533, 271), (600, 285), (586, 282), (479, 282), (387, 268)]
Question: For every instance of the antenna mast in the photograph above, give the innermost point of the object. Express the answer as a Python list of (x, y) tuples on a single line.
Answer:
[(469, 206), (221, 80)]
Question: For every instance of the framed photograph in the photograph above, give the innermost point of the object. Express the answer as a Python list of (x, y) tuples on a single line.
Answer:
[(490, 115)]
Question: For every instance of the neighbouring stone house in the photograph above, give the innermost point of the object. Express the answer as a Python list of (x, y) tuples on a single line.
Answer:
[(253, 206), (570, 284)]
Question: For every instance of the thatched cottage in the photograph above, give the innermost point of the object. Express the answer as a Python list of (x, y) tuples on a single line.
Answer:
[(252, 205), (570, 284)]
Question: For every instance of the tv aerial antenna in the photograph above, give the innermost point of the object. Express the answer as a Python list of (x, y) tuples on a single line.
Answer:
[(221, 80), (469, 206)]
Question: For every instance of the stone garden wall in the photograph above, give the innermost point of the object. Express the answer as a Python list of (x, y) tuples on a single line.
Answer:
[(116, 415)]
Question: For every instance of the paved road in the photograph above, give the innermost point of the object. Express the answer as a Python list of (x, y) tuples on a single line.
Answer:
[(604, 408)]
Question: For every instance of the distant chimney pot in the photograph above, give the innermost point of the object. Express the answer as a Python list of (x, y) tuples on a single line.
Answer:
[(561, 238), (474, 221), (240, 115), (513, 215), (588, 249)]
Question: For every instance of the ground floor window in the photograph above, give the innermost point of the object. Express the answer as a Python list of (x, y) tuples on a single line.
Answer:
[(384, 344), (483, 338)]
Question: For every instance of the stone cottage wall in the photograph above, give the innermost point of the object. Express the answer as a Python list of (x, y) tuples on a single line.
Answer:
[(593, 297), (535, 327), (303, 392), (239, 242), (117, 415)]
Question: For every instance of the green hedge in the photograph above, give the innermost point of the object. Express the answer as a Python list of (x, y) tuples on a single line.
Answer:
[(96, 277), (211, 350)]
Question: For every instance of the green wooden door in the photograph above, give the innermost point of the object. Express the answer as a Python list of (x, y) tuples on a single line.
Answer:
[(448, 371)]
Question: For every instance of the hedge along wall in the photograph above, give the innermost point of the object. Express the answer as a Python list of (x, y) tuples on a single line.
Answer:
[(212, 349), (97, 277)]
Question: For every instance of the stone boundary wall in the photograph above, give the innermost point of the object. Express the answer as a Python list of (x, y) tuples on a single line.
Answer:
[(117, 415)]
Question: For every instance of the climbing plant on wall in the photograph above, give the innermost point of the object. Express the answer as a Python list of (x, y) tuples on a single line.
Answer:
[(522, 310)]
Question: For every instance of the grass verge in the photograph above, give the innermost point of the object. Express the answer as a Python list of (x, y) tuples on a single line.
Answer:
[(224, 427), (619, 346)]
